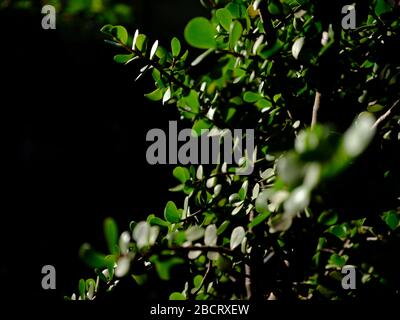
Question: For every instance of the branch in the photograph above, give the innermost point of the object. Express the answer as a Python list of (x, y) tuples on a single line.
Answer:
[(204, 249), (317, 102), (385, 115)]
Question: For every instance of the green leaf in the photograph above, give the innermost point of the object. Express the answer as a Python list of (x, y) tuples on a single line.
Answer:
[(90, 288), (140, 42), (276, 97), (120, 33), (224, 264), (274, 8), (236, 100), (156, 221), (92, 258), (171, 212), (182, 174), (337, 261), (140, 279), (82, 289), (162, 54), (235, 33), (234, 9), (243, 190), (192, 102), (263, 103), (199, 125), (175, 47), (375, 108), (176, 296), (251, 97), (164, 267), (111, 234), (237, 237), (107, 29), (259, 219), (123, 58), (90, 283), (177, 188), (339, 231), (382, 7), (197, 281), (223, 227), (224, 17), (328, 218), (269, 52), (199, 33), (392, 219), (156, 95), (179, 237)]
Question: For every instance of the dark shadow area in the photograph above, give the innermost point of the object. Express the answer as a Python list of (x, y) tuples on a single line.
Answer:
[(77, 124)]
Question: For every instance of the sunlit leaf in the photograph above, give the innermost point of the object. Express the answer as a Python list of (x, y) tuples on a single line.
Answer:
[(182, 174), (176, 296), (171, 213), (111, 234), (210, 235), (235, 32), (297, 46), (200, 33), (224, 17), (120, 33), (237, 237)]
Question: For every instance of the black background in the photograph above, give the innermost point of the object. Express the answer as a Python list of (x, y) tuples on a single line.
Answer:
[(75, 126)]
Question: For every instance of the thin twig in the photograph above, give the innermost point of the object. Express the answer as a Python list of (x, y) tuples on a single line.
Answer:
[(247, 268), (204, 279), (385, 115), (198, 212), (247, 281), (203, 249), (317, 102)]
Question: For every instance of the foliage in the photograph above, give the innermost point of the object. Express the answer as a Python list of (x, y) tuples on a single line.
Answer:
[(285, 231), (101, 10)]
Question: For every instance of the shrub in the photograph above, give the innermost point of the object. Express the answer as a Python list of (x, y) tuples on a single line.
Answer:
[(323, 103)]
